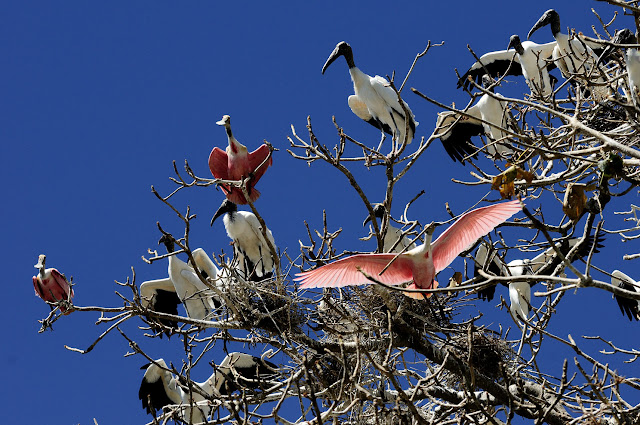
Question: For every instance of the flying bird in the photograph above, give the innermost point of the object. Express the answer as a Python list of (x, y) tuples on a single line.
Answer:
[(628, 307), (421, 264), (529, 60), (455, 130), (487, 259), (251, 251), (374, 100), (572, 56), (52, 286), (160, 294), (196, 297), (160, 388), (393, 234), (236, 163)]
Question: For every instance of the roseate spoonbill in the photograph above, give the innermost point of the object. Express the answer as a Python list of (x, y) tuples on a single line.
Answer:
[(160, 294), (572, 56), (159, 387), (251, 251), (456, 130), (628, 307), (632, 59), (237, 164), (52, 286), (529, 60), (486, 258), (393, 233), (196, 297), (374, 100), (421, 264)]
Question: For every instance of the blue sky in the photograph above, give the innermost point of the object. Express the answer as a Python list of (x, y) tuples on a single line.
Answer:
[(100, 97)]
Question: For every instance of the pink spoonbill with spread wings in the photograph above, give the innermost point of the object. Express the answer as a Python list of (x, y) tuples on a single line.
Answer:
[(419, 265), (51, 285), (236, 163)]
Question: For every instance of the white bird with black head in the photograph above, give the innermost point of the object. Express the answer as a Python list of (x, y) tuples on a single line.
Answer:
[(160, 388), (529, 59), (374, 100), (251, 251)]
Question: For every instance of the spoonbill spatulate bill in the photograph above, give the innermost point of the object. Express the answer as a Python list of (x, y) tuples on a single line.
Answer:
[(236, 163), (418, 266), (374, 100), (51, 285)]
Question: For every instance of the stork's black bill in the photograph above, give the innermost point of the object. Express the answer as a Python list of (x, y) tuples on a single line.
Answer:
[(548, 17), (226, 207), (342, 49)]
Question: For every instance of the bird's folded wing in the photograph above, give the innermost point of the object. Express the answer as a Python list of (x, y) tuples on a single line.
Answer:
[(467, 229), (345, 272), (62, 282)]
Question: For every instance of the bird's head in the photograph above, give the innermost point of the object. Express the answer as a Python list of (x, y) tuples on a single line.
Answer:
[(487, 82), (342, 49), (515, 42), (41, 259), (624, 36), (226, 121), (226, 207), (168, 242), (378, 212), (548, 17)]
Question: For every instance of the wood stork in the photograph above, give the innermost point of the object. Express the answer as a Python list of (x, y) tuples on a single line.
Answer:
[(196, 297), (374, 100), (628, 307), (487, 259), (571, 55), (52, 286), (632, 60), (456, 130), (421, 264), (529, 60), (393, 233), (160, 294), (237, 164), (159, 387), (251, 251)]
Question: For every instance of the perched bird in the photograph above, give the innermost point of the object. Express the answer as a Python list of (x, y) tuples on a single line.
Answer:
[(393, 233), (160, 294), (632, 60), (421, 264), (52, 286), (374, 100), (237, 164), (159, 387), (572, 56), (529, 60), (456, 130), (251, 251), (196, 297), (487, 259), (520, 299), (628, 307)]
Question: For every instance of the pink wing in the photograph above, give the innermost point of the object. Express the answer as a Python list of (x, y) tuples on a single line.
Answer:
[(256, 158), (467, 229), (344, 272), (219, 164), (67, 290)]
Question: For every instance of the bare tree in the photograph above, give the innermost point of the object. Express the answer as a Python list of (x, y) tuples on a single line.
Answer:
[(370, 355)]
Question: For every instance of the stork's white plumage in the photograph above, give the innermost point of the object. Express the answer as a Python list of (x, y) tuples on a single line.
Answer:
[(628, 307), (374, 100), (393, 234), (456, 130), (571, 55), (160, 388), (529, 60), (251, 251), (196, 297), (632, 61)]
